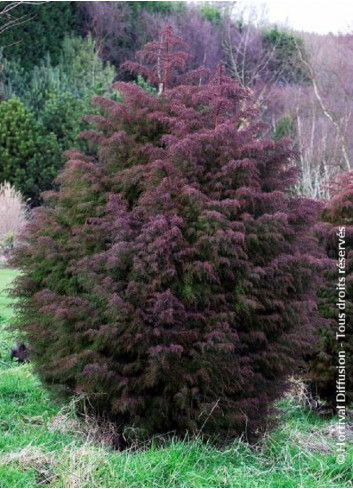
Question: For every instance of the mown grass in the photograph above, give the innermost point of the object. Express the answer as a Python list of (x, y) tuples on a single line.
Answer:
[(43, 444), (6, 277)]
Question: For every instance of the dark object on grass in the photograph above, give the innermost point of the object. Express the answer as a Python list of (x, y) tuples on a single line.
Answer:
[(20, 352)]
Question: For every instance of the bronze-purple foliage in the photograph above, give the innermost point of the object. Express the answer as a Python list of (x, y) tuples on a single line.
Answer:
[(171, 278), (335, 232)]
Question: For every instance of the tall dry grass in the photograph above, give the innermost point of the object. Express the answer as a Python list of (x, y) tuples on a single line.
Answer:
[(12, 210)]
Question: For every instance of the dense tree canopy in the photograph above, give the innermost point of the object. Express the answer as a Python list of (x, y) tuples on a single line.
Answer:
[(30, 158), (41, 28)]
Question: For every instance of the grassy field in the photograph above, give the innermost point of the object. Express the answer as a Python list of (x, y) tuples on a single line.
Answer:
[(43, 444)]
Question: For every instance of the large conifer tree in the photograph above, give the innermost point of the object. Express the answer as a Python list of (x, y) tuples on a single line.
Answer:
[(170, 279)]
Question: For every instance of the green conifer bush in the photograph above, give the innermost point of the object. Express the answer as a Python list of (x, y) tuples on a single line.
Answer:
[(30, 158)]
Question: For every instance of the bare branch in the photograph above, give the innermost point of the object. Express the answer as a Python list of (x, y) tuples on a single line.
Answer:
[(328, 113), (8, 20)]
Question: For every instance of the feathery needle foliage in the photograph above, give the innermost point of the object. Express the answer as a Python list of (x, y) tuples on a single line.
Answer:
[(335, 232), (43, 443), (171, 278)]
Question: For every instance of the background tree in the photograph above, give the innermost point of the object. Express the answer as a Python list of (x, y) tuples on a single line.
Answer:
[(29, 157), (54, 100), (8, 19), (261, 57), (318, 147), (340, 91), (40, 25), (79, 72)]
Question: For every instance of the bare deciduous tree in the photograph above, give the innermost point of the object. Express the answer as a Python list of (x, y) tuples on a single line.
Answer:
[(330, 86), (8, 19)]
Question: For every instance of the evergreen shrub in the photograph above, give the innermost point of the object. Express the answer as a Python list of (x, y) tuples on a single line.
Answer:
[(41, 28), (171, 278), (30, 158), (327, 374)]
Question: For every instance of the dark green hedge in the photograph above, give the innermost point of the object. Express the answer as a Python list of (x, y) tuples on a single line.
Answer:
[(43, 29)]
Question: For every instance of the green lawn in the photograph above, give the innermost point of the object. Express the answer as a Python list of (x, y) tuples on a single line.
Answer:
[(43, 444), (6, 277)]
